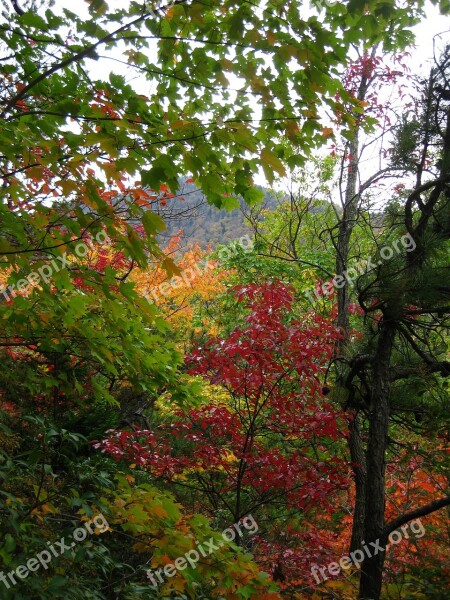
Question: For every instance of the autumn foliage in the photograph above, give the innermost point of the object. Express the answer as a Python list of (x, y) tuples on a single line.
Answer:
[(272, 439)]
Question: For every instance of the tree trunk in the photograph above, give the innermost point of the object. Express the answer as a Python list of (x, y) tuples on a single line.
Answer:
[(346, 224), (359, 472), (372, 568), (345, 229)]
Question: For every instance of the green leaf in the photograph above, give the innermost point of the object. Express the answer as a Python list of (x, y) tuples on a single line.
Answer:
[(152, 223), (34, 20), (10, 543)]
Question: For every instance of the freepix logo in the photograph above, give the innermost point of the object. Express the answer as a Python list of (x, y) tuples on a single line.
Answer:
[(189, 276), (362, 267), (97, 524), (202, 550), (46, 272), (372, 549)]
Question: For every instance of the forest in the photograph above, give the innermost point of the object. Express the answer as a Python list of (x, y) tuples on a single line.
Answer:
[(224, 300)]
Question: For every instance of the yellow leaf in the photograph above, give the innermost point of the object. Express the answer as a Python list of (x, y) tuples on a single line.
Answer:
[(180, 124), (140, 547), (270, 159), (35, 172), (303, 55), (178, 584), (309, 113), (327, 131), (227, 64), (68, 185)]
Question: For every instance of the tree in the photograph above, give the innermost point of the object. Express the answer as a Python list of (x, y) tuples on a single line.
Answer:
[(53, 197), (403, 317), (345, 231), (197, 280), (366, 79), (268, 443)]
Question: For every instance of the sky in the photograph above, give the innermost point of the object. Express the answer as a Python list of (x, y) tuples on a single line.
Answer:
[(424, 32)]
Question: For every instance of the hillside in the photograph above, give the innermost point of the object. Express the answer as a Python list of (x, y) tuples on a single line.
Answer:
[(202, 223)]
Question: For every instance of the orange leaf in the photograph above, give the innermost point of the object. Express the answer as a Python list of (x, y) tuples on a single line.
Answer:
[(292, 128), (271, 38)]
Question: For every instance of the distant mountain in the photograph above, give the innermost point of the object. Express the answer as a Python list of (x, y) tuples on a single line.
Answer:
[(202, 223)]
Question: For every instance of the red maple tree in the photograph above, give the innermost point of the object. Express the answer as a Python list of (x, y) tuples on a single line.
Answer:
[(273, 439)]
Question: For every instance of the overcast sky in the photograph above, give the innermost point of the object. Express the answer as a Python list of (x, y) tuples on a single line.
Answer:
[(432, 25)]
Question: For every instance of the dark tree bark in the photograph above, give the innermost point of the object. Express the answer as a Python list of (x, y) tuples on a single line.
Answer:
[(372, 568)]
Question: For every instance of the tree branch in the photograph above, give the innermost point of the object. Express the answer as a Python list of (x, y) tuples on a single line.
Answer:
[(415, 514), (442, 367), (17, 8)]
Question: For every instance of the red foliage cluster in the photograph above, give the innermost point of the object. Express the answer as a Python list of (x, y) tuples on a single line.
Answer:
[(104, 259), (7, 407), (51, 404), (99, 258), (295, 549), (140, 446), (374, 72), (103, 103), (274, 435)]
